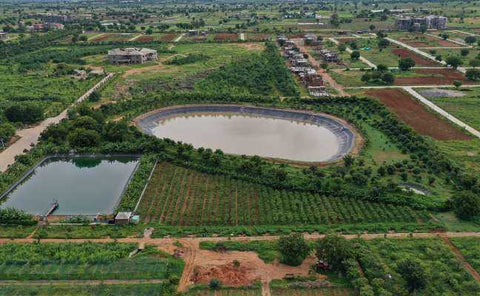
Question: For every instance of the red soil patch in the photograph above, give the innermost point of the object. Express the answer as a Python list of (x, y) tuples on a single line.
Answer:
[(168, 37), (257, 37), (419, 60), (442, 42), (433, 77), (199, 38), (414, 113), (225, 36), (228, 274), (345, 40), (296, 35), (414, 43), (100, 39), (144, 39)]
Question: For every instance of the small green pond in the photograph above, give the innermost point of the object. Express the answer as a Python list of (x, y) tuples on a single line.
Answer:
[(81, 185)]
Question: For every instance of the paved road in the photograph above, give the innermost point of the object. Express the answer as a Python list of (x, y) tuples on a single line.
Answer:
[(442, 112), (242, 36), (29, 136), (349, 50)]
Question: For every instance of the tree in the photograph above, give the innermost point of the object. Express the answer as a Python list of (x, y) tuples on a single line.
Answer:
[(472, 74), (25, 113), (474, 63), (444, 36), (7, 131), (335, 250), (453, 62), (466, 205), (342, 47), (470, 40), (388, 78), (383, 43), (83, 138), (355, 55), (464, 52), (382, 68), (335, 20), (457, 83), (294, 249), (348, 159), (413, 273), (372, 27), (405, 64), (94, 97), (149, 31), (83, 38), (438, 58)]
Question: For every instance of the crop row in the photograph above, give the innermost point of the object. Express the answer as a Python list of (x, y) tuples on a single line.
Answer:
[(179, 196)]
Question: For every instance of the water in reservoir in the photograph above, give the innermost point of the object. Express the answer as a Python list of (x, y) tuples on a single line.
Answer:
[(81, 185), (251, 135)]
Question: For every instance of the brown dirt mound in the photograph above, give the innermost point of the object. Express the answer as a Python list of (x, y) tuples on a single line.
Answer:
[(433, 77), (228, 274), (414, 113), (419, 61)]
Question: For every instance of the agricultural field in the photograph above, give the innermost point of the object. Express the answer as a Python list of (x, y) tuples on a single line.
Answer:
[(417, 116), (463, 103), (469, 247), (312, 292), (178, 196), (422, 40), (445, 273), (88, 289), (415, 77), (88, 261)]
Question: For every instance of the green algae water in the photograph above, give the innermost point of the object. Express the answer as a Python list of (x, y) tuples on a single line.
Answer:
[(81, 185)]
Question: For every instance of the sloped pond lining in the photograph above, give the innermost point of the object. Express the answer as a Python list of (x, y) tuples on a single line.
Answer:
[(82, 184), (345, 135)]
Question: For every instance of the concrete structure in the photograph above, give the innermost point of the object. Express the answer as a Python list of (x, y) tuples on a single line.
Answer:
[(416, 23), (3, 36), (329, 56), (131, 55), (123, 218)]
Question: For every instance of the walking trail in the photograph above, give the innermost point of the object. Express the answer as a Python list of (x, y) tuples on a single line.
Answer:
[(179, 38), (29, 136)]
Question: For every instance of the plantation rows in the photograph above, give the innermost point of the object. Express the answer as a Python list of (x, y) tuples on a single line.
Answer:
[(179, 196), (145, 268)]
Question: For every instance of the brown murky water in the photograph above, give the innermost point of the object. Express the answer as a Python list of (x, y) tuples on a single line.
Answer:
[(252, 135)]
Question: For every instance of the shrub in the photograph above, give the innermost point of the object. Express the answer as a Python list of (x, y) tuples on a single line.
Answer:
[(11, 216), (25, 113), (215, 284), (83, 138)]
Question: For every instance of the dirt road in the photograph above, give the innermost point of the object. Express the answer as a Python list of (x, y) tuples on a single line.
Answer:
[(29, 136), (202, 265), (460, 258), (325, 76)]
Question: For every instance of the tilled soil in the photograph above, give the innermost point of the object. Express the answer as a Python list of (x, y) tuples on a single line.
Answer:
[(433, 77), (419, 60), (417, 116)]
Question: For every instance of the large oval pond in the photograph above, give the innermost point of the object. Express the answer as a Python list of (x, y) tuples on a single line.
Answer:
[(272, 133)]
